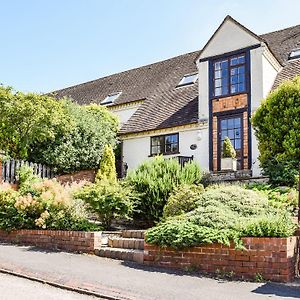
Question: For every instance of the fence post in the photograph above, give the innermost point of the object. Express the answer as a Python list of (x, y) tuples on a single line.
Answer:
[(299, 196)]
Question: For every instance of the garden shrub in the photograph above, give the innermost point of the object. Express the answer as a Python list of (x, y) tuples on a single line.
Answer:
[(46, 205), (109, 200), (155, 179), (107, 169), (279, 197), (224, 213), (228, 149), (276, 123), (183, 199)]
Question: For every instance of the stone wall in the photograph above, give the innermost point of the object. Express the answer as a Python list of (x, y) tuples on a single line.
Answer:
[(272, 258), (72, 241)]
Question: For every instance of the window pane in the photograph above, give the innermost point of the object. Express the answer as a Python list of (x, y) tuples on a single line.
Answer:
[(237, 133), (218, 91), (223, 124), (230, 123), (231, 134), (237, 122), (237, 144), (218, 82), (218, 74), (233, 89)]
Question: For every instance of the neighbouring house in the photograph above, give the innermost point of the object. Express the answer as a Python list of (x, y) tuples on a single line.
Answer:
[(186, 106)]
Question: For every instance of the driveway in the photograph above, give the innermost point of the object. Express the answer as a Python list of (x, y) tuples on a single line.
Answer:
[(124, 280)]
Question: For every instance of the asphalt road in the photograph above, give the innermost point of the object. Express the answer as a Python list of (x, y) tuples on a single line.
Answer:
[(137, 281), (15, 288)]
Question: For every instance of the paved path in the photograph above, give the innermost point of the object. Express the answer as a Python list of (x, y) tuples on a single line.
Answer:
[(123, 280), (15, 288)]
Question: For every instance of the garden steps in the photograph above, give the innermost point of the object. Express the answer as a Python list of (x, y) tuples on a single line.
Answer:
[(126, 245)]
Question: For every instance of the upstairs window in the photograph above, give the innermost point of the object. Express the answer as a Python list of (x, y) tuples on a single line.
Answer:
[(295, 54), (229, 76), (188, 79), (165, 144), (111, 98)]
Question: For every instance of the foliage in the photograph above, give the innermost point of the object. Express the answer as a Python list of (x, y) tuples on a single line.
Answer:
[(228, 150), (83, 146), (155, 179), (107, 170), (279, 197), (27, 178), (183, 199), (224, 213), (28, 119), (48, 205), (276, 124), (109, 200)]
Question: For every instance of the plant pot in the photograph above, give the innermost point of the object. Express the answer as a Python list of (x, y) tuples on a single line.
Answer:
[(228, 164)]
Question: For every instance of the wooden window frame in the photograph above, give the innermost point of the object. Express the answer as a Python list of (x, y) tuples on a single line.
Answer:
[(164, 136), (230, 67)]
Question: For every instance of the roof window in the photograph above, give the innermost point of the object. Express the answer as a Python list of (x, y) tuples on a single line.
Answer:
[(188, 79), (295, 54), (111, 98)]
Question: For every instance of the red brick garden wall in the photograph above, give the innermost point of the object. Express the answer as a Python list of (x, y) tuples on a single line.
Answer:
[(73, 241), (87, 175), (273, 258)]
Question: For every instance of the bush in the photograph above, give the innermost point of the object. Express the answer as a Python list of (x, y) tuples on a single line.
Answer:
[(223, 214), (228, 150), (109, 200), (48, 205), (155, 179), (276, 124), (183, 199), (82, 146), (285, 198), (107, 170)]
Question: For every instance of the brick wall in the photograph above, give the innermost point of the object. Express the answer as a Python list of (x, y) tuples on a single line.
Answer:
[(273, 258), (231, 104), (87, 175), (72, 241)]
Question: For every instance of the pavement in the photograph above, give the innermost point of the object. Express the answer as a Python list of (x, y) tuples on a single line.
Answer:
[(12, 287), (113, 279)]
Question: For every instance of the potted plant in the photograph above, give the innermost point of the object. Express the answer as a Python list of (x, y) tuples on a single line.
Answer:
[(228, 161)]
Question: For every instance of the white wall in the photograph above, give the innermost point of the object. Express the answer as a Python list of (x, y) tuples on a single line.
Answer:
[(137, 149), (203, 90), (124, 113), (229, 37)]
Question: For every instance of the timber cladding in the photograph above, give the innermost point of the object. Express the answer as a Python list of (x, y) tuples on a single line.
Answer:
[(230, 106), (268, 258), (71, 241)]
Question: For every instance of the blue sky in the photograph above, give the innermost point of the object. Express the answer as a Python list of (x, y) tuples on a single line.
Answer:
[(48, 45)]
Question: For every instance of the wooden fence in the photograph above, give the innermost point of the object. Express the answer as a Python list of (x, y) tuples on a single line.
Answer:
[(10, 170)]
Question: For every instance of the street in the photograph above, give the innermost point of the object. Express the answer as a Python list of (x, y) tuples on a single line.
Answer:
[(14, 288)]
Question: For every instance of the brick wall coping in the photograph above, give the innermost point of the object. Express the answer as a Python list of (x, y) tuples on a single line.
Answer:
[(73, 241), (272, 258)]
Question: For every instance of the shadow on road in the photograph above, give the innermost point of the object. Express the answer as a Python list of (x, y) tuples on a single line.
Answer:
[(279, 290)]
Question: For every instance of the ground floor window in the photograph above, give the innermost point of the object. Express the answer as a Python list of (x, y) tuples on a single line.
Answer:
[(165, 144)]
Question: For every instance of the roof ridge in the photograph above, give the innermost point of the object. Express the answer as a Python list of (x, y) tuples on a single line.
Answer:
[(125, 71)]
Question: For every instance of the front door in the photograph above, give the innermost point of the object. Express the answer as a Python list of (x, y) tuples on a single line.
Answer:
[(231, 126)]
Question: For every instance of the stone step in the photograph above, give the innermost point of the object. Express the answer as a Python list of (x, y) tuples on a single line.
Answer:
[(126, 243), (137, 234), (109, 234), (123, 254)]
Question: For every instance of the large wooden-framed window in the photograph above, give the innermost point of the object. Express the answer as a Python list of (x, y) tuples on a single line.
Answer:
[(164, 144), (229, 75)]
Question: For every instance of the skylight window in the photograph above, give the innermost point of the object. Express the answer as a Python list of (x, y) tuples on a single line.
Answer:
[(295, 54), (111, 98), (188, 79)]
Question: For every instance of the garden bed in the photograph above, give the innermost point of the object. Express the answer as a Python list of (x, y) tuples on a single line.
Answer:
[(264, 259), (71, 241)]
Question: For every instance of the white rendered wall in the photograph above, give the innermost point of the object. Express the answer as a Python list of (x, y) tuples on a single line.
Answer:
[(137, 149), (229, 37), (124, 113)]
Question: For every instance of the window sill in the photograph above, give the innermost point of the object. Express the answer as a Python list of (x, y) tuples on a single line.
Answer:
[(164, 154)]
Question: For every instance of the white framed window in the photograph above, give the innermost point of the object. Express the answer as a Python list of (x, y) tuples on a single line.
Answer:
[(111, 98), (295, 54), (188, 79)]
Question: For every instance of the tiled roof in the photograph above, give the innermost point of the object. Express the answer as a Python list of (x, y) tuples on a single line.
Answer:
[(167, 105)]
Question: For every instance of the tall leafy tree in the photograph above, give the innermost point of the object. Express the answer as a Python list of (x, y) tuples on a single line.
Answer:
[(27, 119), (277, 127)]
